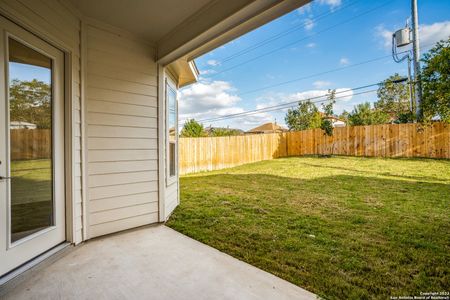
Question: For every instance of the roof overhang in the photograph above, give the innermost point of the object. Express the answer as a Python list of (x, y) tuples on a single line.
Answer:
[(197, 35), (182, 30), (186, 72), (179, 49)]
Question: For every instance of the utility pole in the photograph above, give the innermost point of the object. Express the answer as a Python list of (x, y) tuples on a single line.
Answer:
[(416, 59)]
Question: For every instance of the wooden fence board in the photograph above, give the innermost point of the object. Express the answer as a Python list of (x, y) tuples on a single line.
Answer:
[(209, 153), (30, 144), (388, 140)]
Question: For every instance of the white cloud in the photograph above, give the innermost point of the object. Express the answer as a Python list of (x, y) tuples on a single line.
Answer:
[(429, 34), (206, 96), (205, 100), (207, 72), (213, 62), (344, 61), (311, 45), (319, 95), (321, 84), (384, 35), (304, 9), (331, 3), (309, 24)]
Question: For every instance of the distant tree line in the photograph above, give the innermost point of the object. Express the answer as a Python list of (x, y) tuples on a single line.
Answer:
[(30, 101), (192, 128)]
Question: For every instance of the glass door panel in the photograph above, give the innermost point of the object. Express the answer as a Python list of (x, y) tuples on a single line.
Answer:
[(30, 127)]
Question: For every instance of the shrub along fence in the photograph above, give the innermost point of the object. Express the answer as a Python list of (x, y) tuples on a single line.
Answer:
[(388, 140)]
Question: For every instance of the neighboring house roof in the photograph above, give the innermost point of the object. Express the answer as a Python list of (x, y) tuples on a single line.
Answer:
[(267, 128), (334, 120), (22, 125)]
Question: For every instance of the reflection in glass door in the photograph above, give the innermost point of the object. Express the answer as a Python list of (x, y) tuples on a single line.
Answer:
[(30, 127), (32, 167)]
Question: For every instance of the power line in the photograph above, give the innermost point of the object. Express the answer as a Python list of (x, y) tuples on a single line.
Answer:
[(315, 75), (283, 105), (284, 33), (324, 72), (297, 41), (249, 113)]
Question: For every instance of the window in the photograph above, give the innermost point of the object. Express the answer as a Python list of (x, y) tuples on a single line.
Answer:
[(172, 116)]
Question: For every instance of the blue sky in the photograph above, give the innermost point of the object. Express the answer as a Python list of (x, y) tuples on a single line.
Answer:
[(29, 72), (226, 85)]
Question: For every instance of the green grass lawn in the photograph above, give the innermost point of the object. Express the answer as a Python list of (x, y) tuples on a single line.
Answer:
[(341, 227), (31, 196)]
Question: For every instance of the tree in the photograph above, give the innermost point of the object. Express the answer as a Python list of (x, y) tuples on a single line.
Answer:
[(394, 100), (192, 128), (436, 82), (30, 101), (305, 116), (344, 115), (363, 114), (224, 132), (326, 124)]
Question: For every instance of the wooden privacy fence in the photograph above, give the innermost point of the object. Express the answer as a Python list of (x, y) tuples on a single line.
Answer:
[(30, 144), (389, 140)]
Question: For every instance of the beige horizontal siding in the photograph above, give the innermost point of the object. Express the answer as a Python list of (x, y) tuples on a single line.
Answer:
[(122, 224), (122, 133), (119, 108), (96, 93), (121, 120), (121, 155), (120, 178), (129, 211), (121, 166), (115, 72), (122, 201), (120, 190), (121, 143)]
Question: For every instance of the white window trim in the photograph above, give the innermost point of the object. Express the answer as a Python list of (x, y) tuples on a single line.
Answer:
[(170, 85)]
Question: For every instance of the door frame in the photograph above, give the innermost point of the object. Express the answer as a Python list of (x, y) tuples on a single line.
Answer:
[(54, 134), (69, 151)]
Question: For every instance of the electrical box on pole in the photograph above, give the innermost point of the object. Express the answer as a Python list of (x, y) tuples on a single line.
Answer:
[(402, 37)]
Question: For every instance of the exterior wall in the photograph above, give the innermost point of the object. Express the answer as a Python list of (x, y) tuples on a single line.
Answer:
[(122, 135), (113, 121), (58, 24)]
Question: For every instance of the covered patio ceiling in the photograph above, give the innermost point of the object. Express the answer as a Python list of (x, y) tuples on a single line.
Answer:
[(185, 28)]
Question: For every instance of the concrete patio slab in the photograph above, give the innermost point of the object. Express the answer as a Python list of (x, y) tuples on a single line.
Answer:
[(152, 263)]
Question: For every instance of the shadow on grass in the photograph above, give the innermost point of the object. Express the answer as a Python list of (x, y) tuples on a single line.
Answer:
[(364, 171), (339, 236)]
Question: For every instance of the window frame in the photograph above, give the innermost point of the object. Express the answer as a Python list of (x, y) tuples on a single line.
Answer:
[(171, 87)]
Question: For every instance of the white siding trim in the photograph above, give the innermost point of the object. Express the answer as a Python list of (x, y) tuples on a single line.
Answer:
[(84, 152), (161, 144), (170, 196)]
